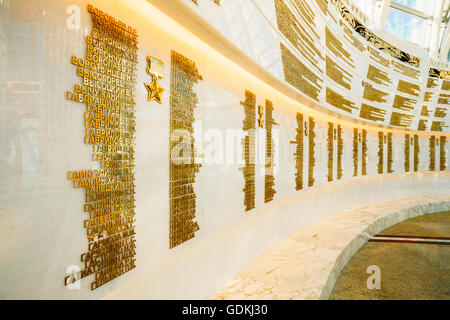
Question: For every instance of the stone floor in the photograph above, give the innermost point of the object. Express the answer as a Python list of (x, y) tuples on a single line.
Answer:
[(307, 264), (407, 270)]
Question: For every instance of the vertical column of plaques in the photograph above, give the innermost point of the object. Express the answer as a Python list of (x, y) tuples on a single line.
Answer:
[(364, 152), (407, 152), (380, 152), (107, 90), (295, 20), (416, 153), (389, 153), (269, 179), (340, 151), (432, 154), (299, 153), (183, 101), (442, 153), (330, 151), (249, 126), (355, 151), (311, 157)]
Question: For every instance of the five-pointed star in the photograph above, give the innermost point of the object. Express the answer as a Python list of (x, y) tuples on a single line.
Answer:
[(154, 91)]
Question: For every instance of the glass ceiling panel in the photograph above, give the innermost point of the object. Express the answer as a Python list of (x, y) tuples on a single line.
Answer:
[(425, 6), (406, 26)]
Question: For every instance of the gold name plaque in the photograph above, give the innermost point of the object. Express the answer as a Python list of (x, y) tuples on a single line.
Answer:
[(107, 89)]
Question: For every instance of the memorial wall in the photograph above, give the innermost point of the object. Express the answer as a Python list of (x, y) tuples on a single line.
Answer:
[(324, 49), (140, 162)]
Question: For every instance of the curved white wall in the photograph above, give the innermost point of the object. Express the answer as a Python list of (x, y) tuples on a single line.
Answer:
[(42, 135)]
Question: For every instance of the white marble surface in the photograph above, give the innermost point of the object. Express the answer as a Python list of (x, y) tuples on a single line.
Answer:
[(41, 138), (306, 264)]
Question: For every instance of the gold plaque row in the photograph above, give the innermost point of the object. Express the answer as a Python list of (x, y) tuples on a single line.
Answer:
[(299, 76), (380, 152), (338, 49), (432, 153), (334, 133), (311, 155), (407, 152), (442, 153), (301, 32), (390, 160), (359, 137), (381, 141), (416, 153), (340, 152), (183, 101), (338, 74), (364, 153), (299, 152), (108, 74), (330, 144), (269, 179), (378, 76), (337, 100), (355, 151), (249, 145)]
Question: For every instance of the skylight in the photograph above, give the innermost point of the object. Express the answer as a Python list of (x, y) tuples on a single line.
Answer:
[(424, 6), (421, 22), (407, 26)]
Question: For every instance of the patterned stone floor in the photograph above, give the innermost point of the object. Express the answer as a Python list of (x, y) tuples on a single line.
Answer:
[(407, 270), (306, 264)]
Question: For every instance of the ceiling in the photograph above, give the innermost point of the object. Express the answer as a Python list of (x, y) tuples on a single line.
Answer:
[(421, 22)]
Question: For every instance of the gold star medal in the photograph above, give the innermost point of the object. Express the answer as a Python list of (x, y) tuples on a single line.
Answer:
[(155, 68)]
